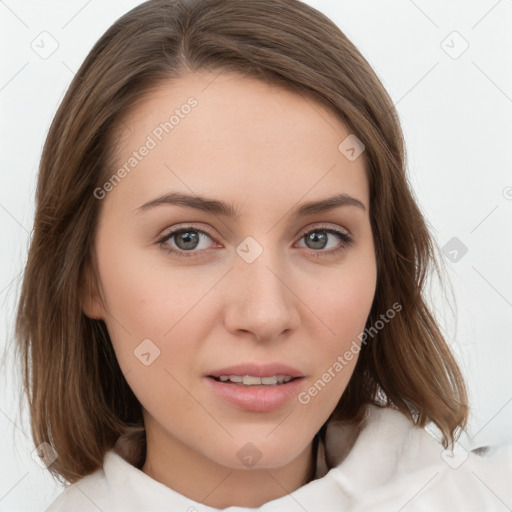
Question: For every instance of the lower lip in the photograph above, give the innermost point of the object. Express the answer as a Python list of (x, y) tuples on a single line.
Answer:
[(256, 398)]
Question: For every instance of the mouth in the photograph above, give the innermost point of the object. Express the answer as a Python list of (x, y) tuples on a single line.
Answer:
[(256, 388), (255, 374), (253, 380)]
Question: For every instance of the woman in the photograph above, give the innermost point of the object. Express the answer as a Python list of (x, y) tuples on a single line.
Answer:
[(223, 303)]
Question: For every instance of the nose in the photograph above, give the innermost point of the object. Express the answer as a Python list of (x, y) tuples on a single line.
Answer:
[(261, 300)]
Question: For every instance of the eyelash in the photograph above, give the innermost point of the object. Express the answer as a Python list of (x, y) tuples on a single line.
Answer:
[(345, 238)]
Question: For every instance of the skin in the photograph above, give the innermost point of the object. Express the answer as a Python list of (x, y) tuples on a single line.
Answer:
[(265, 150)]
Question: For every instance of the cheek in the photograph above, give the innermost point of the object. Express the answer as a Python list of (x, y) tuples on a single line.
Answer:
[(344, 311), (152, 323), (144, 302), (345, 300), (343, 305), (145, 295)]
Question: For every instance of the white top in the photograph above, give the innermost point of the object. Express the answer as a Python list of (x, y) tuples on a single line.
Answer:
[(393, 466)]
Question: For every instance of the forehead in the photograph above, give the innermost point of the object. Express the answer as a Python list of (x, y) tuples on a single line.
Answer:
[(233, 136)]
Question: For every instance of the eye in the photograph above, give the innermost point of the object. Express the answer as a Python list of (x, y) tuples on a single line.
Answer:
[(187, 241), (318, 238)]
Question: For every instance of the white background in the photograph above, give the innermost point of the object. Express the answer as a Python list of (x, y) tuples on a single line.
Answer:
[(456, 114)]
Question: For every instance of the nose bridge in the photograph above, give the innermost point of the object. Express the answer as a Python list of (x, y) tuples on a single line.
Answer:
[(263, 302)]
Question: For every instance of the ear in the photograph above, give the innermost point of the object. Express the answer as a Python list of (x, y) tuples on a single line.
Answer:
[(90, 299)]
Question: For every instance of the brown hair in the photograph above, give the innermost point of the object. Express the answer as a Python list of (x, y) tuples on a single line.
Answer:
[(79, 401)]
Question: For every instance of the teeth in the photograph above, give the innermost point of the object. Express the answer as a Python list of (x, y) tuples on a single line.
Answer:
[(250, 380)]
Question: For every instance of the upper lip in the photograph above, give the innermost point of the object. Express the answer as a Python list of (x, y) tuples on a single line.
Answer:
[(257, 370)]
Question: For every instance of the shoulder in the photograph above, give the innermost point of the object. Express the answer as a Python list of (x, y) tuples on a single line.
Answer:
[(89, 494), (118, 486), (394, 463)]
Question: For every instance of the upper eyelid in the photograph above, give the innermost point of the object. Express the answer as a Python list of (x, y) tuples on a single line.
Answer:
[(174, 231)]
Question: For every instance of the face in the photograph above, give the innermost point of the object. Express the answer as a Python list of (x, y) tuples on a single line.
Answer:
[(259, 283)]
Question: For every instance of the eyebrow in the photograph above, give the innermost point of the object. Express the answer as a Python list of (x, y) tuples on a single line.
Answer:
[(221, 208)]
